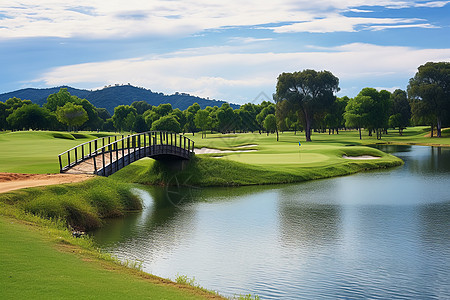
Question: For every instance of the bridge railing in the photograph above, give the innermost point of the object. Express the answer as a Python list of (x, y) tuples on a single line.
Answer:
[(81, 152), (121, 153), (139, 145)]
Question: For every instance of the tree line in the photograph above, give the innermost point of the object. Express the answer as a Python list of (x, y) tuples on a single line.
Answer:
[(304, 101)]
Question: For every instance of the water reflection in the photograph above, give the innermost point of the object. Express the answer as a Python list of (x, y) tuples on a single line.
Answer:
[(381, 234)]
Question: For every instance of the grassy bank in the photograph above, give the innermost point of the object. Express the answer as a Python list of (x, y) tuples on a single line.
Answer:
[(42, 262), (80, 205)]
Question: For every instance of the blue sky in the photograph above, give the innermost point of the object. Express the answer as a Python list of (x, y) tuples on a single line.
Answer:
[(226, 50)]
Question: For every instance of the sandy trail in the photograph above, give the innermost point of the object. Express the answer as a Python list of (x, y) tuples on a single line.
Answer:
[(15, 181)]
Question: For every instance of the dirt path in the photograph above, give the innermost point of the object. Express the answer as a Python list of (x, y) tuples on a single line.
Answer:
[(15, 181)]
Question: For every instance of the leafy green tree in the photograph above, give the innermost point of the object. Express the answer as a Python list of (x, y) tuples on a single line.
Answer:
[(3, 116), (72, 115), (168, 123), (103, 113), (181, 118), (226, 118), (30, 116), (334, 119), (163, 109), (400, 115), (270, 124), (141, 106), (268, 108), (357, 112), (139, 124), (189, 114), (123, 117), (247, 114), (93, 122), (109, 125), (15, 103), (203, 121), (431, 84), (59, 99), (378, 115), (310, 91)]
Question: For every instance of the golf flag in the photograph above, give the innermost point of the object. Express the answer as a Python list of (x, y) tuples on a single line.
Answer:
[(299, 144)]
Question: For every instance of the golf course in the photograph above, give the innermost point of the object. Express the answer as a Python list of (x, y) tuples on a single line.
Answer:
[(37, 222)]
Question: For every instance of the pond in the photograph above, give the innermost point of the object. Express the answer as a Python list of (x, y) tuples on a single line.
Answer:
[(381, 234)]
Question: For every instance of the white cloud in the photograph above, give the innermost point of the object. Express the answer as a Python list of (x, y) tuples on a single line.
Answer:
[(346, 24), (105, 19), (239, 77), (434, 4)]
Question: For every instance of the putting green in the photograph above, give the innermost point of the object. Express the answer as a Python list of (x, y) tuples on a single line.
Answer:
[(280, 158)]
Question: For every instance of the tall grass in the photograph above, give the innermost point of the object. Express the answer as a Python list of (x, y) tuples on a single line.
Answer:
[(81, 205)]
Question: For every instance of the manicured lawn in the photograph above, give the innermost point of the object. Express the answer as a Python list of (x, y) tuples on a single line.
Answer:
[(35, 266), (36, 151)]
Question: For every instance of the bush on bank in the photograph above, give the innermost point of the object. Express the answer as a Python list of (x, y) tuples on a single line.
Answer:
[(80, 205)]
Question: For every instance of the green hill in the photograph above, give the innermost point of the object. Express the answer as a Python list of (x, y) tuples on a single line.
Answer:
[(113, 96)]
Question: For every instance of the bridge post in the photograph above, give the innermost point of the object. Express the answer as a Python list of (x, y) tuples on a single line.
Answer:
[(110, 159), (95, 146), (139, 146), (117, 156), (95, 164), (90, 148), (60, 164), (150, 137), (103, 160), (123, 152)]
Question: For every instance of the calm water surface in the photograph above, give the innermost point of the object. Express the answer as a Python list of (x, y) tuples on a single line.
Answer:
[(378, 235)]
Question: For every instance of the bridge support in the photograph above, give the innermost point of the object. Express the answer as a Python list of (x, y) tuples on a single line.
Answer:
[(175, 165)]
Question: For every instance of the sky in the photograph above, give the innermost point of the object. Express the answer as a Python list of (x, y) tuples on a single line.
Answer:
[(225, 50)]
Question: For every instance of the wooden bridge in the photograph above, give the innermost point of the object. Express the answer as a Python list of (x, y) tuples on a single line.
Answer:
[(105, 156)]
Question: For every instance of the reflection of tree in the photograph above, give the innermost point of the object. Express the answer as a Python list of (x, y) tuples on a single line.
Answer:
[(308, 224), (435, 161), (161, 225)]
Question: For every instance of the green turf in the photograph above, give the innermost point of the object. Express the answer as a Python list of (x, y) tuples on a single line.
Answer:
[(34, 266), (36, 151)]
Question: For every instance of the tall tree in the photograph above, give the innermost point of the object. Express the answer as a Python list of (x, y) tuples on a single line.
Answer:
[(72, 115), (30, 116), (270, 123), (203, 121), (121, 119), (312, 91), (226, 118), (431, 84), (141, 106), (3, 116), (400, 114), (377, 118), (357, 112), (168, 123), (59, 99)]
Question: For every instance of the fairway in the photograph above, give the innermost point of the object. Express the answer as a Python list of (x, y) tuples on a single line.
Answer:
[(37, 151)]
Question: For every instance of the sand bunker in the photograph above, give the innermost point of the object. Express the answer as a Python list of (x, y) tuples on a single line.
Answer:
[(361, 157), (15, 181), (212, 151)]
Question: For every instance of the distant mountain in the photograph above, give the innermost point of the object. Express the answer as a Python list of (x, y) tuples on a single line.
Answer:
[(112, 96)]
